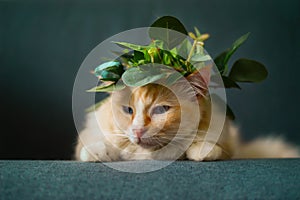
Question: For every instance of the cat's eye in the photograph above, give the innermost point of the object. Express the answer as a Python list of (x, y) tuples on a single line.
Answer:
[(127, 110), (160, 109)]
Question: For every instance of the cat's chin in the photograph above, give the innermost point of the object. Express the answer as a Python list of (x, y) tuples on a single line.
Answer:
[(146, 144)]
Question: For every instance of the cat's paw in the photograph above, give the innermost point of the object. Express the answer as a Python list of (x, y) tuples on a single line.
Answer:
[(196, 152), (93, 153)]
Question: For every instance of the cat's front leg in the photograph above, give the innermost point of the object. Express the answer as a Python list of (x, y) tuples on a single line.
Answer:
[(198, 152), (93, 152)]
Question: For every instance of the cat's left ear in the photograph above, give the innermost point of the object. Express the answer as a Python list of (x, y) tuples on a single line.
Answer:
[(200, 80)]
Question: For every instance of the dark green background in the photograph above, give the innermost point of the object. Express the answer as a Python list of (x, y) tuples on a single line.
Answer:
[(42, 45)]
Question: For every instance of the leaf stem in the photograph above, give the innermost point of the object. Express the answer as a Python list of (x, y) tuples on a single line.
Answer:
[(191, 52), (152, 58)]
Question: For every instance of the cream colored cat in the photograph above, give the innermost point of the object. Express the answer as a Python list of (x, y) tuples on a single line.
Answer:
[(151, 122)]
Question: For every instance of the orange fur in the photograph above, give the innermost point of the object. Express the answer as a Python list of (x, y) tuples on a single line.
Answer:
[(111, 133)]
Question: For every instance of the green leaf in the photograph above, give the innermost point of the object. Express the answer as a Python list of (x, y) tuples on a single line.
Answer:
[(107, 75), (222, 59), (235, 46), (158, 43), (219, 101), (174, 51), (112, 73), (137, 55), (230, 113), (198, 34), (118, 53), (131, 46), (228, 83), (220, 62), (140, 76), (245, 70), (200, 58), (198, 66), (184, 48), (240, 41), (105, 65), (147, 56), (170, 38), (166, 59), (109, 71), (107, 88), (125, 56), (172, 78)]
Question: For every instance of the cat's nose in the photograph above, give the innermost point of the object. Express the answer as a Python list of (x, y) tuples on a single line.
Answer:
[(139, 132)]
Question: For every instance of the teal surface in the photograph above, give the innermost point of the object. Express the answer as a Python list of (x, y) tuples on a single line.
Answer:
[(241, 179), (43, 43)]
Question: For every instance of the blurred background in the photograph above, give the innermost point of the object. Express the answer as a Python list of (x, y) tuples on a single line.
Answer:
[(42, 45)]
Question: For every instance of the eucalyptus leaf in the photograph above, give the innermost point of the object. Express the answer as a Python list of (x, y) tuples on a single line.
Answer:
[(184, 48), (198, 66), (107, 88), (167, 32), (245, 70), (106, 65), (158, 43), (109, 76), (109, 73), (200, 58), (140, 76), (172, 78)]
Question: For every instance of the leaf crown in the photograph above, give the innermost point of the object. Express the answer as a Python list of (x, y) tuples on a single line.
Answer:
[(178, 52)]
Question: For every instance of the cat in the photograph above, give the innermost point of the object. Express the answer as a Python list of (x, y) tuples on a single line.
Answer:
[(154, 122)]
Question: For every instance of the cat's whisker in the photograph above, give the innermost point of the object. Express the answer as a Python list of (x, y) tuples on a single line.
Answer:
[(158, 141), (178, 136), (183, 136), (182, 129), (194, 139), (167, 139), (174, 140), (116, 134), (119, 135), (182, 132), (92, 144)]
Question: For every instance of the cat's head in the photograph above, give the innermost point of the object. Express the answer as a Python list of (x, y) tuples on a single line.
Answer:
[(152, 115)]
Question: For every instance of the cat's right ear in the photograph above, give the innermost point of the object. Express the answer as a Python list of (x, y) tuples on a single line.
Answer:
[(199, 80), (193, 86)]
